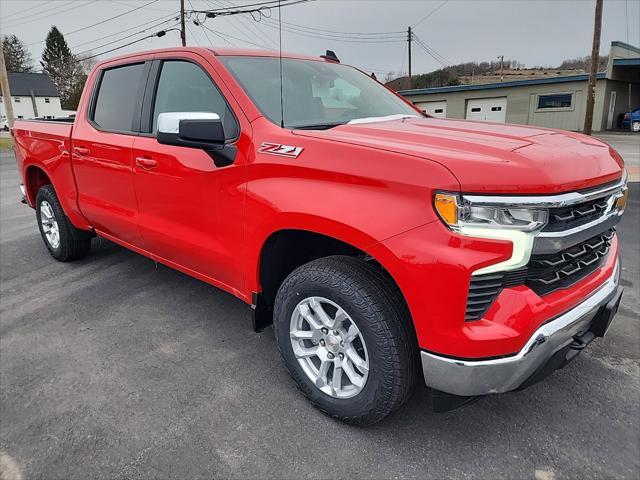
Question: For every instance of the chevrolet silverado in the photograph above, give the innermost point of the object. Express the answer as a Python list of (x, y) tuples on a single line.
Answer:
[(382, 244)]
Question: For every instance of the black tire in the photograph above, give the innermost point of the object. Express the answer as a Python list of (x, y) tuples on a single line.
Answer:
[(370, 298), (73, 243)]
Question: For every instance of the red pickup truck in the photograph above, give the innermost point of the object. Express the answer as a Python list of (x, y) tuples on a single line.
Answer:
[(381, 243)]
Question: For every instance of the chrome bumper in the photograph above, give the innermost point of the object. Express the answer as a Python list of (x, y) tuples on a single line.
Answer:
[(481, 377)]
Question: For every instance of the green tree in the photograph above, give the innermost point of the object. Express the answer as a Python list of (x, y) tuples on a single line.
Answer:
[(16, 55), (62, 67)]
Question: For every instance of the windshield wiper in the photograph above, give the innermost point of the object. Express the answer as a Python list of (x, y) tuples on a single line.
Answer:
[(315, 126)]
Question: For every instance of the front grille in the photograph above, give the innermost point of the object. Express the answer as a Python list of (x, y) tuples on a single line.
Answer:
[(484, 289), (548, 273), (544, 274), (565, 218)]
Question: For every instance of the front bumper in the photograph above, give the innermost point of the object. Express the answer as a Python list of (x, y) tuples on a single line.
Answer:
[(552, 340)]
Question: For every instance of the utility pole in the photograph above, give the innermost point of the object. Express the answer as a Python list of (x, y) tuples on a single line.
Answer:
[(501, 57), (6, 93), (409, 38), (183, 33), (595, 56)]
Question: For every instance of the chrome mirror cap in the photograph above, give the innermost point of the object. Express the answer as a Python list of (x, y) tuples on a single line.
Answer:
[(169, 122)]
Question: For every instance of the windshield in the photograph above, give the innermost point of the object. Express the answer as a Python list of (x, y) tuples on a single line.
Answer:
[(315, 94)]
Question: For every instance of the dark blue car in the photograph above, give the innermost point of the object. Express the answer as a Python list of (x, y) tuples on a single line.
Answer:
[(631, 120)]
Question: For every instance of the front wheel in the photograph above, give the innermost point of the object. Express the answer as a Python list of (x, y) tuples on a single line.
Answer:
[(635, 126), (62, 239), (345, 337)]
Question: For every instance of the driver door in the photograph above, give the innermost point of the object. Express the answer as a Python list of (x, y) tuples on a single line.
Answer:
[(190, 211)]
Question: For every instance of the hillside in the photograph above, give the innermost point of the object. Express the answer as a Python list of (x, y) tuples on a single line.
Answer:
[(489, 72)]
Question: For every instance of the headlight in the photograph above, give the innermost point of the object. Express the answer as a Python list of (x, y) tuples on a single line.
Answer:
[(458, 213)]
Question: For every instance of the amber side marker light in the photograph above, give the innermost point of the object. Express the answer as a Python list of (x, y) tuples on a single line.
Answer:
[(621, 202), (447, 207)]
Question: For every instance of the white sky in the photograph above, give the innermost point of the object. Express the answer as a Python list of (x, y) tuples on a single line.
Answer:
[(536, 32)]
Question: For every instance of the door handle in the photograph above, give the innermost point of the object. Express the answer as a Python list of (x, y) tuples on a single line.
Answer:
[(146, 163), (82, 151)]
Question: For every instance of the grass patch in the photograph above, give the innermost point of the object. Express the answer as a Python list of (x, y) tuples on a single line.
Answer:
[(6, 144)]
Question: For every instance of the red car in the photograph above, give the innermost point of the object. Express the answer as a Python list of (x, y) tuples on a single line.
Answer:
[(379, 242)]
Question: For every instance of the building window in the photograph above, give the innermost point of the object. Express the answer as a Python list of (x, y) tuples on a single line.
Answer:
[(46, 100), (476, 109), (438, 110), (496, 109), (16, 99), (556, 100)]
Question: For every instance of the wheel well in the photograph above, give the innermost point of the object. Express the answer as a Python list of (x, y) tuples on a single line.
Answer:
[(36, 179), (286, 250)]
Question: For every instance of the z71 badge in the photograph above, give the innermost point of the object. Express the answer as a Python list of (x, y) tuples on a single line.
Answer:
[(280, 150)]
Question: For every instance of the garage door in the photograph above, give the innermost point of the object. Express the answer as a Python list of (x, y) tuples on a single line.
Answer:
[(435, 109), (487, 109)]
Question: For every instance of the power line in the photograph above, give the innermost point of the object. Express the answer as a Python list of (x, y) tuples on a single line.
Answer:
[(161, 33), (101, 22), (231, 36), (111, 18), (224, 39), (251, 26), (431, 52), (202, 29), (171, 17), (338, 39), (123, 38), (45, 14), (240, 30), (259, 4), (430, 13), (385, 36), (339, 32), (22, 12)]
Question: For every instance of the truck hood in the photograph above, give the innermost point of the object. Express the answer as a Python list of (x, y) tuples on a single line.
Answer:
[(490, 157)]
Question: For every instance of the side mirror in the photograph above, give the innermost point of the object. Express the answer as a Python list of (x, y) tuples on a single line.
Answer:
[(203, 130), (190, 129)]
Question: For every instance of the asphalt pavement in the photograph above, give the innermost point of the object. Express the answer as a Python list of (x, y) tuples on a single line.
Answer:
[(113, 367)]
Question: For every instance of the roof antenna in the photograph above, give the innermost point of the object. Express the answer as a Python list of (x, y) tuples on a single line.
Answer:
[(280, 57)]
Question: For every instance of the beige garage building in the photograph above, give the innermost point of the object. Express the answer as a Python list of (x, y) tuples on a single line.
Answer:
[(556, 102)]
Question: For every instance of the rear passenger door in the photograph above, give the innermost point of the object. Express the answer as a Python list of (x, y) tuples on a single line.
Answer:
[(191, 211), (101, 151)]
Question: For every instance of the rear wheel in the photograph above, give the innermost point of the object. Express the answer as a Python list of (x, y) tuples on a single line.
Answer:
[(344, 336), (62, 239)]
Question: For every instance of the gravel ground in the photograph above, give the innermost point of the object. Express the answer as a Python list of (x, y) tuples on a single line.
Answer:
[(111, 367)]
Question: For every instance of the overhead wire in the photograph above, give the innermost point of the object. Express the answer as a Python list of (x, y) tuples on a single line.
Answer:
[(101, 22), (339, 39), (231, 36), (164, 32), (250, 25), (241, 31), (111, 18), (123, 38), (167, 18), (429, 14), (44, 14), (430, 51), (23, 11), (259, 4)]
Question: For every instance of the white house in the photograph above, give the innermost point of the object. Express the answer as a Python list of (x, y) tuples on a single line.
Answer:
[(33, 95)]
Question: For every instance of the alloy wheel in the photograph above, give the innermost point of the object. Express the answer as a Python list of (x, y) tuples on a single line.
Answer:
[(329, 347), (49, 224)]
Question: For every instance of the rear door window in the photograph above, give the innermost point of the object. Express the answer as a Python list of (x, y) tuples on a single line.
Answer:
[(117, 98)]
